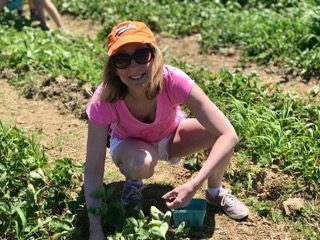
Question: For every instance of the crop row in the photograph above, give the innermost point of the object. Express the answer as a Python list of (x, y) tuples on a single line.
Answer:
[(285, 33)]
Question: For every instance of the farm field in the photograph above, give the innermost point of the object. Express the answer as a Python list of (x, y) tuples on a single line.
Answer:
[(46, 82)]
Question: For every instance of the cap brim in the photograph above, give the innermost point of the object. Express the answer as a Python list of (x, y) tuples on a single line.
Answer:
[(128, 39)]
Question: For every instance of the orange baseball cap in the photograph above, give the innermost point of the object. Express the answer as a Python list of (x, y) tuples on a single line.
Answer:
[(128, 32)]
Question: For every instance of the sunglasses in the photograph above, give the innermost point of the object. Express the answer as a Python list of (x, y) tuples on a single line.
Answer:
[(141, 56)]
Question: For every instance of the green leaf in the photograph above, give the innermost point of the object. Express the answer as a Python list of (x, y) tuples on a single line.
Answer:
[(22, 216), (94, 210), (103, 209), (2, 167), (39, 225), (164, 229), (167, 217), (160, 231), (180, 230), (31, 188), (156, 213), (38, 174), (132, 222), (100, 193), (5, 223), (73, 206), (155, 223), (5, 217), (4, 206), (109, 193)]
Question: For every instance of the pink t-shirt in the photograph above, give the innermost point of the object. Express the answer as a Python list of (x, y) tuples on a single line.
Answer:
[(176, 90)]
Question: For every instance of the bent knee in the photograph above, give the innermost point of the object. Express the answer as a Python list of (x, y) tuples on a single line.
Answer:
[(143, 166), (140, 166)]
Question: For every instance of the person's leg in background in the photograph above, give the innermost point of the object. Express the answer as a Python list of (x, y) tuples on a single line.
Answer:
[(53, 12), (39, 7), (33, 12), (20, 9)]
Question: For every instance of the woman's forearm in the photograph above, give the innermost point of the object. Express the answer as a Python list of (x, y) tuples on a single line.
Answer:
[(94, 172), (92, 182)]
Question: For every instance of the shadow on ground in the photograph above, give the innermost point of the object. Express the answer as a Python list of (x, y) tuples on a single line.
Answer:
[(117, 213)]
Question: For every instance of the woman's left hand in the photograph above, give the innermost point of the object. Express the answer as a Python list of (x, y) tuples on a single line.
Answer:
[(180, 196)]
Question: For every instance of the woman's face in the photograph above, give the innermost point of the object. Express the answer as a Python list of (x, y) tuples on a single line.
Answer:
[(134, 75)]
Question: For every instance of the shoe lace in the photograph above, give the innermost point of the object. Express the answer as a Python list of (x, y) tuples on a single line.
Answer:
[(135, 193), (227, 199)]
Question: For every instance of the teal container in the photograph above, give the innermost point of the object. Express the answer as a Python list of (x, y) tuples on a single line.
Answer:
[(193, 214), (13, 4)]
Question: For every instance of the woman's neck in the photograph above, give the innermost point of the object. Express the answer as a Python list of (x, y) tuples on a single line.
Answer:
[(136, 96)]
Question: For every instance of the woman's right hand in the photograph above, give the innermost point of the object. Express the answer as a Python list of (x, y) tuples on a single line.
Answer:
[(180, 196)]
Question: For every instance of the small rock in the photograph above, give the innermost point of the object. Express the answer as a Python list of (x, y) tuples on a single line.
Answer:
[(270, 70), (231, 51), (223, 51), (314, 90), (87, 90), (227, 52), (60, 79), (292, 205), (275, 168)]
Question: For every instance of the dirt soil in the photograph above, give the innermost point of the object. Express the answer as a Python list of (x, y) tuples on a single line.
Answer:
[(64, 135)]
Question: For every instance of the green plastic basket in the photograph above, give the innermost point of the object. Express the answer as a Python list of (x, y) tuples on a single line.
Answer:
[(13, 4), (193, 215)]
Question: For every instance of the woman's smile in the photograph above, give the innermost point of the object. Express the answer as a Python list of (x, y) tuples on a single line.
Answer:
[(137, 77)]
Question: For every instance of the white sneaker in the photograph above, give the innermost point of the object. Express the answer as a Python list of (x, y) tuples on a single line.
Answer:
[(231, 205)]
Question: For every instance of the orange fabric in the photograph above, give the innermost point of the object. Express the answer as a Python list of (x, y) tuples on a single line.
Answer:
[(128, 32)]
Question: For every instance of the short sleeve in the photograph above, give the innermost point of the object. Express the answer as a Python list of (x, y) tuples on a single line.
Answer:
[(98, 111), (178, 83)]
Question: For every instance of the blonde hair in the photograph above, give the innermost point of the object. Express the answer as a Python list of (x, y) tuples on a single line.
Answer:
[(114, 89)]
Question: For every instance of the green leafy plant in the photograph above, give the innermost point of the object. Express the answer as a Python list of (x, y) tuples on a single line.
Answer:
[(116, 218), (27, 209), (193, 162)]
